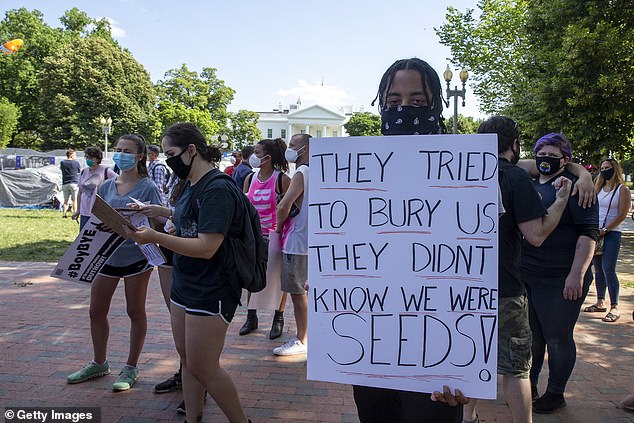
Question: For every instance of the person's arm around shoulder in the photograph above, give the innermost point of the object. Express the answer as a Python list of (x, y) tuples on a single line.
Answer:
[(294, 191), (584, 185), (537, 230)]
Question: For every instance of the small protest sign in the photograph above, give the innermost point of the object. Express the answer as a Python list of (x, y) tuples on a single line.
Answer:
[(403, 262), (88, 253)]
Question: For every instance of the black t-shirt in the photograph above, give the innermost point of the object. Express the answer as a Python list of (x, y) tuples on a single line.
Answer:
[(554, 257), (207, 207), (521, 203), (70, 171)]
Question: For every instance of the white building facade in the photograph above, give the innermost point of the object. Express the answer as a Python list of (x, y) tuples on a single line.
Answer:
[(315, 120)]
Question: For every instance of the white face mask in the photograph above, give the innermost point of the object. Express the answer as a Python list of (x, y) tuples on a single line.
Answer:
[(255, 161), (291, 155)]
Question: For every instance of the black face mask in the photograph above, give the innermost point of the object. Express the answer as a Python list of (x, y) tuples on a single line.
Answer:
[(409, 120), (516, 155), (607, 174), (177, 165), (548, 165)]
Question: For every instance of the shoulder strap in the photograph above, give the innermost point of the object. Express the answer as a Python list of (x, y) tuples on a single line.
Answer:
[(610, 204), (278, 183), (248, 179), (105, 173)]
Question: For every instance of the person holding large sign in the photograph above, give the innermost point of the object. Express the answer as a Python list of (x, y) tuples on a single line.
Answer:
[(205, 292), (410, 102), (128, 262)]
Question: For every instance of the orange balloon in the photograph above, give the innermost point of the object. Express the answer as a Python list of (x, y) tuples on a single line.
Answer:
[(12, 46)]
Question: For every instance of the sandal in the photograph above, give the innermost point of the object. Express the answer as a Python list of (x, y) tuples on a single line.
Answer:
[(595, 309), (611, 317)]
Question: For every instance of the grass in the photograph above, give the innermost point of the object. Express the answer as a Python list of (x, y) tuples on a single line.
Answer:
[(35, 235)]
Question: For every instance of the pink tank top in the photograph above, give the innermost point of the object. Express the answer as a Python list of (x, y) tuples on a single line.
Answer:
[(262, 195)]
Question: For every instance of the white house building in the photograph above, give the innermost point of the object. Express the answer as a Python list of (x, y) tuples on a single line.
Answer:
[(316, 120)]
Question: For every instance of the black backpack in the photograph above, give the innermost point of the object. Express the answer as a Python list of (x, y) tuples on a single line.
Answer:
[(249, 249)]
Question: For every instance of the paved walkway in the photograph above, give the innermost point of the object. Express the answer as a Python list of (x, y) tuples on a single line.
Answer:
[(44, 335)]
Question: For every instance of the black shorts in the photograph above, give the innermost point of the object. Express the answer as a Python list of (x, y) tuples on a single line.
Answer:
[(125, 271), (169, 256), (224, 307)]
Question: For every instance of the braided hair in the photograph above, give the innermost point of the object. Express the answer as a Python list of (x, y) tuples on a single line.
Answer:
[(428, 76)]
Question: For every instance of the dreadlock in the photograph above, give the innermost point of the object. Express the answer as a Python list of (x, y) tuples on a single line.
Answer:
[(427, 74)]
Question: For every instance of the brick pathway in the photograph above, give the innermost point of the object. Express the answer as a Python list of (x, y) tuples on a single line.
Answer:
[(44, 336)]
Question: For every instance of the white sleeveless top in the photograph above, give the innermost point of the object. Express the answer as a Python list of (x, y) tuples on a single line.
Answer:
[(604, 201), (296, 241)]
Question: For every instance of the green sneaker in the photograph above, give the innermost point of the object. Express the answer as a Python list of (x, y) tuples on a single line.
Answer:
[(126, 379), (90, 371)]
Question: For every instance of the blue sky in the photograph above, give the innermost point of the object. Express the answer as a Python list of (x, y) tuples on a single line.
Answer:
[(327, 52)]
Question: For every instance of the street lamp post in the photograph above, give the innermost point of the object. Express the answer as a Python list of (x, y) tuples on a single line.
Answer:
[(105, 129), (455, 93)]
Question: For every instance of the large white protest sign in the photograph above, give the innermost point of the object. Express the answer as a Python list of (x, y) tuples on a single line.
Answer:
[(88, 253), (403, 262)]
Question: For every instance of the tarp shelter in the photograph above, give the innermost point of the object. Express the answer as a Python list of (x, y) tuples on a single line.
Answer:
[(31, 187)]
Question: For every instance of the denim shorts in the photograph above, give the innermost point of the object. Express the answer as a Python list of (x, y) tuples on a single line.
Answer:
[(514, 337)]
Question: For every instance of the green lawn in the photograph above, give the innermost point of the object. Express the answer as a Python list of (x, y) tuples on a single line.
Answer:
[(35, 235)]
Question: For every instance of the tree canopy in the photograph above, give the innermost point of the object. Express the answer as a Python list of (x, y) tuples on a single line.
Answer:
[(363, 124), (552, 66), (94, 79), (59, 85)]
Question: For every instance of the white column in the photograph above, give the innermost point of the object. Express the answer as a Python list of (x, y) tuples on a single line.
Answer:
[(324, 130), (289, 132), (308, 128)]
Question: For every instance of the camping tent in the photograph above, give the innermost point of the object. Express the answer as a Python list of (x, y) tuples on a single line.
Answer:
[(31, 187)]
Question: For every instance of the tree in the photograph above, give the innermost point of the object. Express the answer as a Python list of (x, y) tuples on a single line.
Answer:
[(466, 124), (169, 113), (9, 115), (19, 71), (489, 47), (576, 74), (553, 66), (243, 128), (194, 91), (27, 139), (94, 78), (363, 124)]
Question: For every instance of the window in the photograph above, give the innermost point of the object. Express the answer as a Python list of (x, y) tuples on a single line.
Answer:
[(303, 131), (269, 133), (335, 134), (283, 133), (318, 134)]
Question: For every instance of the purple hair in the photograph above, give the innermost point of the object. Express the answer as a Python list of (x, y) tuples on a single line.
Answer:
[(557, 140)]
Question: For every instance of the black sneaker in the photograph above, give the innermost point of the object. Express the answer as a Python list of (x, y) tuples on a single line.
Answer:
[(180, 409), (172, 384), (548, 403)]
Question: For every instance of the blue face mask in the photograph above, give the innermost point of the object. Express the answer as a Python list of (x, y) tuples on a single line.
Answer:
[(90, 162), (124, 161)]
